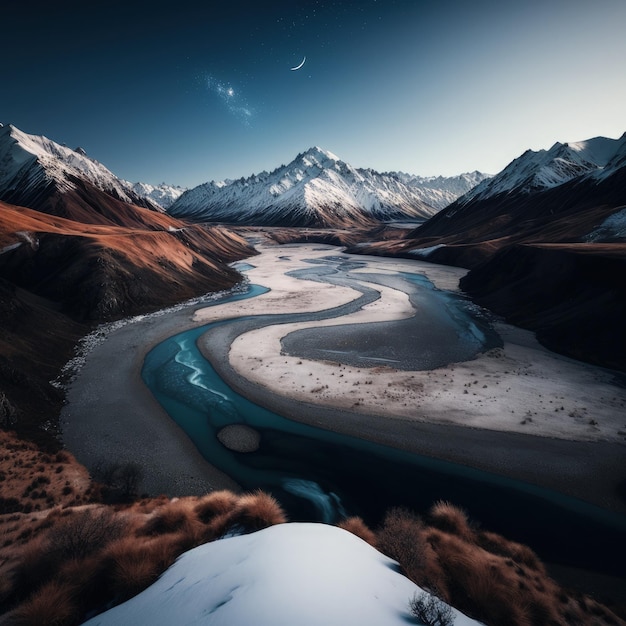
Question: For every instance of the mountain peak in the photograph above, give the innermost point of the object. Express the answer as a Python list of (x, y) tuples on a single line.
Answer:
[(34, 164), (319, 153), (315, 189)]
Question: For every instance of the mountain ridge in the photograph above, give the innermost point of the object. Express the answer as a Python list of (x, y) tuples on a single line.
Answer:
[(317, 188)]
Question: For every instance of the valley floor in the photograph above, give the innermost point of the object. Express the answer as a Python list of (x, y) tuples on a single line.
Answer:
[(519, 410)]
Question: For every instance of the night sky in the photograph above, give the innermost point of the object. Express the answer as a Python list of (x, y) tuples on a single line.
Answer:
[(186, 92)]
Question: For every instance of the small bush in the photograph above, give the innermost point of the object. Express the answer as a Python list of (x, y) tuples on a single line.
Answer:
[(84, 533), (53, 605), (120, 481), (214, 504), (358, 527), (430, 610), (176, 516), (450, 518), (257, 510), (134, 565), (401, 538)]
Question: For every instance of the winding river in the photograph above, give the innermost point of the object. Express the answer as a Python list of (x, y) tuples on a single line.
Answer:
[(320, 475)]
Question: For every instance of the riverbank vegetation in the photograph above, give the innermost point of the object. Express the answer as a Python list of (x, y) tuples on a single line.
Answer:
[(77, 556)]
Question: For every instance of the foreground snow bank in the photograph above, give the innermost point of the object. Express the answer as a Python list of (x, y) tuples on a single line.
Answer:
[(305, 574)]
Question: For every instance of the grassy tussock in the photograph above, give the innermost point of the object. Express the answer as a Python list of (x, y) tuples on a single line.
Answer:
[(135, 564), (496, 581), (403, 537), (80, 561), (450, 518), (258, 510), (358, 527), (517, 551), (214, 504), (176, 516), (53, 604)]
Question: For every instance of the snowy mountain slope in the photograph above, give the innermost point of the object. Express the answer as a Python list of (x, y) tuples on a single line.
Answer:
[(315, 189), (33, 166), (534, 171), (440, 191), (163, 195), (304, 574), (557, 195)]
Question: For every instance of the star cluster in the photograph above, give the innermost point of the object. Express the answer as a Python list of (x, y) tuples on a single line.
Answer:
[(235, 103)]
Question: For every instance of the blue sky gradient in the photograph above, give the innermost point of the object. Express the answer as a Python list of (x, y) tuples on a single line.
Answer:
[(187, 92)]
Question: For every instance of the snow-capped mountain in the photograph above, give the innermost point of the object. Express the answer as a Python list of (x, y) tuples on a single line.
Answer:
[(164, 195), (315, 189), (534, 171), (32, 167), (440, 191), (561, 194)]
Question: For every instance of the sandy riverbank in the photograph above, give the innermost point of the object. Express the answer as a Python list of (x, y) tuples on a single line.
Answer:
[(520, 388), (474, 413), (520, 410)]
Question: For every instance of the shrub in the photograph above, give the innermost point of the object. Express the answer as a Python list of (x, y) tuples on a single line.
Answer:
[(214, 504), (401, 538), (358, 527), (176, 516), (52, 605), (450, 518), (430, 610), (80, 534), (520, 553), (257, 510), (120, 481), (134, 565)]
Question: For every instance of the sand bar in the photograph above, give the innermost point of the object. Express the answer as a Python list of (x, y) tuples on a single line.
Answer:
[(500, 412)]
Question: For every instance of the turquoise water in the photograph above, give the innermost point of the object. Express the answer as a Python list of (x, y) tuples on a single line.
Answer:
[(321, 475)]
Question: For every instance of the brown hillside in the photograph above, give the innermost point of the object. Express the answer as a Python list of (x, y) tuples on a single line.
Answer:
[(103, 272)]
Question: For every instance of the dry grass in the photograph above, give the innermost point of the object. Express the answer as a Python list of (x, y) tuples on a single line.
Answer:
[(358, 527), (175, 516), (403, 537), (215, 504), (33, 480), (53, 604), (257, 510), (251, 512), (450, 518), (496, 581), (135, 564), (69, 562)]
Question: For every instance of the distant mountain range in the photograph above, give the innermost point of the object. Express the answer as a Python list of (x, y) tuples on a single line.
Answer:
[(565, 194), (162, 195), (319, 189), (440, 191), (545, 240), (93, 247)]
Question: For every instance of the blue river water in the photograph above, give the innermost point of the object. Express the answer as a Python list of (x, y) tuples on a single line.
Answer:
[(321, 475)]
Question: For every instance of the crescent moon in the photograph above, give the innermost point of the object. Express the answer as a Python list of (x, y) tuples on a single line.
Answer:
[(297, 67)]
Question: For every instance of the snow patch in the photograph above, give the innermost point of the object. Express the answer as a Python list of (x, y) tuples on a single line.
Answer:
[(613, 227), (305, 574), (426, 252)]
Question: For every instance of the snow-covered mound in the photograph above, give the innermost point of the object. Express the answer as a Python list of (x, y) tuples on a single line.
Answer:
[(440, 191), (32, 164), (164, 195), (315, 189), (304, 574), (535, 171)]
